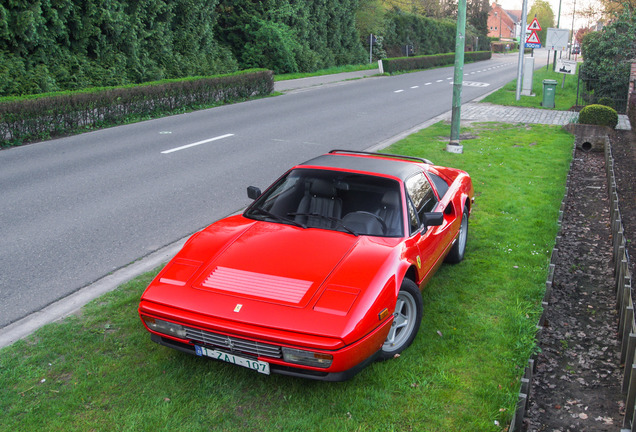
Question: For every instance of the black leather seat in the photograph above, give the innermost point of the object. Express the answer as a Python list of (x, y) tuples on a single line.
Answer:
[(390, 212), (319, 200)]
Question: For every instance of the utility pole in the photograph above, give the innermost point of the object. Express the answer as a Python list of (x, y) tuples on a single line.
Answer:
[(573, 36), (460, 42), (497, 15), (558, 26), (522, 46)]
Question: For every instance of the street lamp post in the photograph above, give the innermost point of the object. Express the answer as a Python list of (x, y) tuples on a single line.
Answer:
[(460, 42), (558, 26), (498, 15), (572, 44)]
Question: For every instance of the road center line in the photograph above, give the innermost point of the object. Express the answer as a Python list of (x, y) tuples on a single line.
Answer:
[(196, 144)]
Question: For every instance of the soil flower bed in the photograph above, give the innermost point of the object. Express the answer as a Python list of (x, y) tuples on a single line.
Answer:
[(577, 384)]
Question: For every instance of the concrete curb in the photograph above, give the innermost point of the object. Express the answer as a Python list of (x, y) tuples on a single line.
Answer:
[(74, 302)]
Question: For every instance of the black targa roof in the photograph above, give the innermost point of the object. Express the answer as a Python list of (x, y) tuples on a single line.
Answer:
[(393, 167)]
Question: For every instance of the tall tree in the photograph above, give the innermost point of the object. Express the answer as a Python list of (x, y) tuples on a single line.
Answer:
[(542, 11), (591, 14), (369, 17), (428, 8), (290, 35), (49, 45), (477, 15), (614, 8), (581, 33)]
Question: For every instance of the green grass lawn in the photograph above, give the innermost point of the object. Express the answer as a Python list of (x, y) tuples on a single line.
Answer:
[(564, 97), (99, 370)]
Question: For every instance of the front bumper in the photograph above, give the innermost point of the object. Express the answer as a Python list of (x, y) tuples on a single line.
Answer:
[(289, 370), (346, 360)]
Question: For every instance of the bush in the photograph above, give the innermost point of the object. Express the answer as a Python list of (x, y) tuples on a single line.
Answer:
[(67, 45), (289, 36), (606, 101), (399, 64), (426, 35), (599, 115), (500, 47), (631, 108), (607, 60)]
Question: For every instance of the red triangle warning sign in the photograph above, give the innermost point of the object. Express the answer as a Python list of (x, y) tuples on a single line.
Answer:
[(534, 25), (533, 38)]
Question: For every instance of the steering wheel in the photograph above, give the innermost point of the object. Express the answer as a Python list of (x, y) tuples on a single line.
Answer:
[(378, 218)]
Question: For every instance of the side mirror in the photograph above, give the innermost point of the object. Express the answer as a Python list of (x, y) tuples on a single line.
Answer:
[(433, 219), (253, 192)]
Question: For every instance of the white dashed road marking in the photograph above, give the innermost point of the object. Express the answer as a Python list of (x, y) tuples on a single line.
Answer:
[(198, 143)]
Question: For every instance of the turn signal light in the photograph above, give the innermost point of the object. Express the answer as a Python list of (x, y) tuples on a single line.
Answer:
[(383, 314), (307, 358)]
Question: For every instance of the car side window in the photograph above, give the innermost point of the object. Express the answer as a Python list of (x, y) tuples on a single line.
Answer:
[(440, 184), (422, 197), (414, 221)]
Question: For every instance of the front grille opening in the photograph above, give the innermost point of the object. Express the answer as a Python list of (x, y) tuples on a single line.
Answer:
[(233, 344)]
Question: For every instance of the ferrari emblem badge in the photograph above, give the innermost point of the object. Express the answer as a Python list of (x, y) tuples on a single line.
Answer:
[(419, 262), (238, 307)]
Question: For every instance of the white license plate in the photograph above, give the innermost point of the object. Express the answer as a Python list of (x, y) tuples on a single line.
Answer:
[(257, 365)]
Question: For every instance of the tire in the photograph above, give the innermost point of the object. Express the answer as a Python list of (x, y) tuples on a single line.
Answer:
[(456, 254), (406, 320)]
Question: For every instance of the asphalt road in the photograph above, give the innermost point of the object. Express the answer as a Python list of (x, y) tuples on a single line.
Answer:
[(73, 210)]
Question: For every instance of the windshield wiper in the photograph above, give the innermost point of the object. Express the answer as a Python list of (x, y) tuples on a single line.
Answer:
[(277, 217), (329, 218)]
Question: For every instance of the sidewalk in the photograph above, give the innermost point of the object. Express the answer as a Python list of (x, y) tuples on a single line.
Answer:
[(299, 83), (474, 111)]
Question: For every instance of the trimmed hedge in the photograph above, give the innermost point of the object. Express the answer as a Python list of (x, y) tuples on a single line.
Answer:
[(427, 35), (70, 45), (599, 115), (289, 36), (400, 64), (24, 120), (500, 47)]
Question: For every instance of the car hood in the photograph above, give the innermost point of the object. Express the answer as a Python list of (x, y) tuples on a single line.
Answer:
[(277, 276), (277, 263)]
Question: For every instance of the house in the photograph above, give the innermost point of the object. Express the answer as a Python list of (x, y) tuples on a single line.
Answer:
[(503, 23)]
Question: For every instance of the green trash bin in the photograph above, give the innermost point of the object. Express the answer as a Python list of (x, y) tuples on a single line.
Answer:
[(549, 91)]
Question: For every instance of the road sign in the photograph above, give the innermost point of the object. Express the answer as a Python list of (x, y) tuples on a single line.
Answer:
[(534, 25), (533, 38), (557, 39), (565, 66)]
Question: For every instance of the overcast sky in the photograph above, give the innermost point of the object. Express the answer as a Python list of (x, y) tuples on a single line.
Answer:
[(566, 10)]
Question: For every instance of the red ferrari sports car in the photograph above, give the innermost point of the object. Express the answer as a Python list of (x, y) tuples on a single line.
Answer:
[(322, 274)]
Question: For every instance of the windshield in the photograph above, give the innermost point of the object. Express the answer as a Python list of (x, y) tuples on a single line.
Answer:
[(355, 203)]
